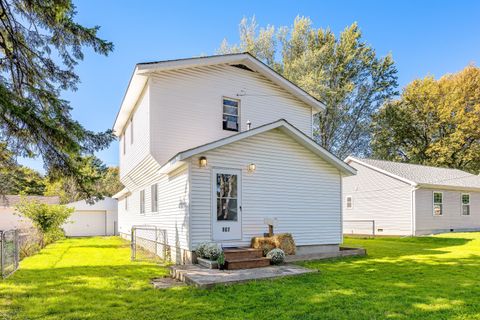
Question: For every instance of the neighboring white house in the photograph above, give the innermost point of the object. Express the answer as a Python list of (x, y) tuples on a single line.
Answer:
[(98, 219), (211, 147), (9, 218), (409, 199)]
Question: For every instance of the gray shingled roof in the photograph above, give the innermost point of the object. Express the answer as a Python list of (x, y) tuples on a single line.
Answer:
[(426, 175)]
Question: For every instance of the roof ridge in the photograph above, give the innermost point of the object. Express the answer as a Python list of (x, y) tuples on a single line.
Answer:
[(415, 164)]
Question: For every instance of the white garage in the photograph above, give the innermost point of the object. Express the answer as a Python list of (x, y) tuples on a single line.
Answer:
[(98, 219)]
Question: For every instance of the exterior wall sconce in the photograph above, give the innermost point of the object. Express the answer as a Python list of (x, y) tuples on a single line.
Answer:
[(251, 167), (202, 162)]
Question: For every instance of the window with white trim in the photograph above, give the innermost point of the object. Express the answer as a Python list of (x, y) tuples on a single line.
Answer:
[(465, 204), (154, 195), (142, 201), (231, 108), (437, 203), (349, 202)]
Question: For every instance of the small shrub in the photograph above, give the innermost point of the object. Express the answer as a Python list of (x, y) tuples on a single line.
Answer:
[(277, 256), (282, 241), (208, 250)]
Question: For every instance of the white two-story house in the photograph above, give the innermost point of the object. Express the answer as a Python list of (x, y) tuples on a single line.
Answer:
[(212, 148)]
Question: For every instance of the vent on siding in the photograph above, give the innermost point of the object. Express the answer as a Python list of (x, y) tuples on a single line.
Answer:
[(242, 66)]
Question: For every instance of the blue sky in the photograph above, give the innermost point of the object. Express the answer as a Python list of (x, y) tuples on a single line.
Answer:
[(424, 37)]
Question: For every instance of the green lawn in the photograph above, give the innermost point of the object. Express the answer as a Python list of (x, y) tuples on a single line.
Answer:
[(410, 278)]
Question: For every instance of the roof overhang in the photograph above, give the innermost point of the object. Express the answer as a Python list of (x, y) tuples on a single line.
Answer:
[(121, 193), (447, 187), (282, 125), (143, 70)]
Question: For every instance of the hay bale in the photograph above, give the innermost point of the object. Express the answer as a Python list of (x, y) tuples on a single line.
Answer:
[(282, 241)]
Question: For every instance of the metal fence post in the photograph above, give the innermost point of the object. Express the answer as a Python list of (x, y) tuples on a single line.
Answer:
[(132, 243), (17, 248), (1, 253)]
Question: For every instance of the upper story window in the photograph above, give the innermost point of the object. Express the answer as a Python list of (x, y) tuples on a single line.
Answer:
[(231, 112), (142, 201), (154, 197), (437, 203), (349, 201), (465, 204)]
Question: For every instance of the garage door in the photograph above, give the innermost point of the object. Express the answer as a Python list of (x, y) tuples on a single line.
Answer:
[(86, 223)]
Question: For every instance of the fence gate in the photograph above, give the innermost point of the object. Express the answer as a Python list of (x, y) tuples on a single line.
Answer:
[(9, 252), (149, 243)]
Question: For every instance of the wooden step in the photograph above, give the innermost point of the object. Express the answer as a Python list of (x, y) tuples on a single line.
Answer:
[(242, 253), (247, 263)]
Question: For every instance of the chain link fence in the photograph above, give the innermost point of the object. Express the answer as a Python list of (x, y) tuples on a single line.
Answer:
[(9, 252), (149, 243), (359, 227), (15, 245)]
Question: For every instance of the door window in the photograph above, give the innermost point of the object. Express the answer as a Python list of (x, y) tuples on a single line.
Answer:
[(227, 197)]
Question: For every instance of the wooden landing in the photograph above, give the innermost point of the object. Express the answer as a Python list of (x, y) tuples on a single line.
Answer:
[(244, 258)]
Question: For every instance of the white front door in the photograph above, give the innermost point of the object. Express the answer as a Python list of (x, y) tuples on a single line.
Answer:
[(227, 204)]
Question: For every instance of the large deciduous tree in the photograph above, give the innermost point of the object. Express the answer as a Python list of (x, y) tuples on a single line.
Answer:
[(434, 122), (344, 72), (40, 44)]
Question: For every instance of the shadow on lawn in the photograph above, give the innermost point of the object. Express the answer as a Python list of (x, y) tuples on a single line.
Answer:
[(431, 287)]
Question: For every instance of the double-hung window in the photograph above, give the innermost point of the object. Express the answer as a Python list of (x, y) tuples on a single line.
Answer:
[(437, 203), (142, 201), (349, 201), (154, 195), (231, 112), (465, 204)]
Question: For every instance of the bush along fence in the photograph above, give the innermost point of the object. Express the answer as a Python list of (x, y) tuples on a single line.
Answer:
[(14, 246)]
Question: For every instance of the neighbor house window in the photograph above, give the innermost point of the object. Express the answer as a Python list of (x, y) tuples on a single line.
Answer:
[(230, 114), (437, 203), (131, 130), (349, 201), (465, 204), (154, 198), (142, 201)]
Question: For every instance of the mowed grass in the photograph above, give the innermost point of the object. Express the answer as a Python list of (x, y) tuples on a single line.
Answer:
[(402, 278)]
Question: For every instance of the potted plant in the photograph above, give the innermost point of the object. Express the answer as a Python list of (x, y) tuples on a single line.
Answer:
[(221, 261)]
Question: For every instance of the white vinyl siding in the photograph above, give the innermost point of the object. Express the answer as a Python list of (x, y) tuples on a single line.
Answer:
[(290, 183), (377, 197), (186, 106), (172, 214), (137, 152), (142, 201), (451, 218)]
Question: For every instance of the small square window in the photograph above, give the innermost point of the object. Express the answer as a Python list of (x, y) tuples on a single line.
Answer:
[(230, 114)]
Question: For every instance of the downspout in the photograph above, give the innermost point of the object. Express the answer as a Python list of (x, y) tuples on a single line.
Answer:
[(413, 211)]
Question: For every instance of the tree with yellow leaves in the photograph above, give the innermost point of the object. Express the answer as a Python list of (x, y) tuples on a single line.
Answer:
[(434, 122)]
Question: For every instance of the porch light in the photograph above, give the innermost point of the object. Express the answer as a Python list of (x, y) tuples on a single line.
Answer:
[(251, 167), (202, 162)]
